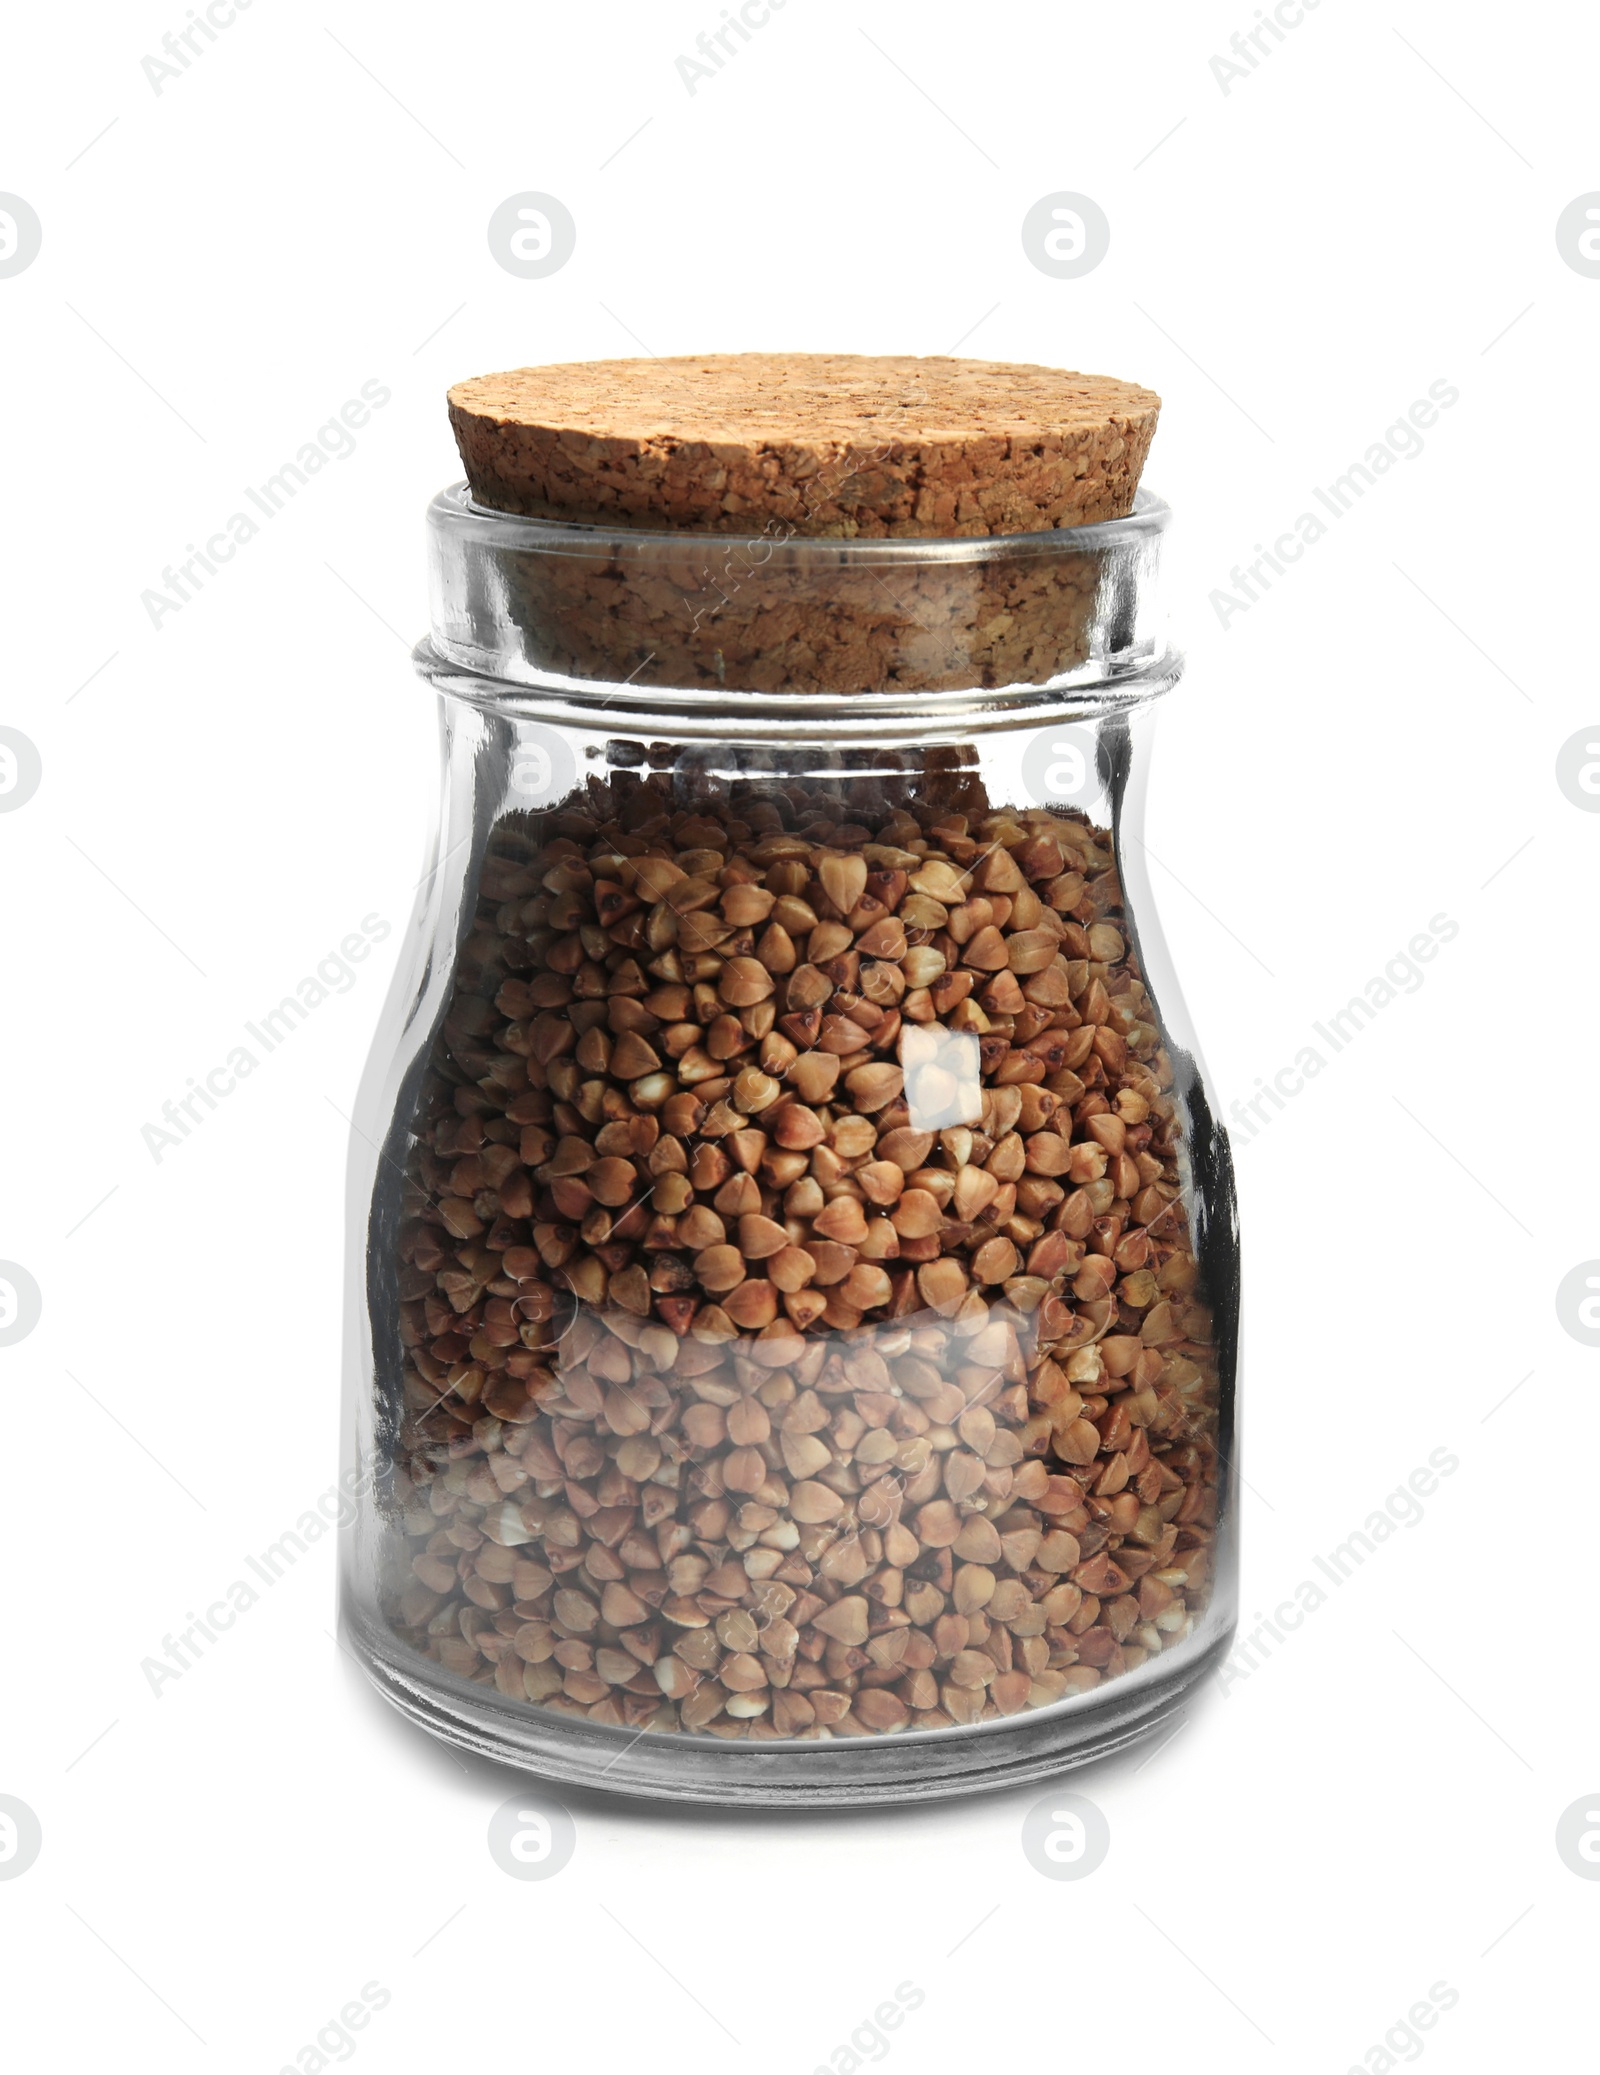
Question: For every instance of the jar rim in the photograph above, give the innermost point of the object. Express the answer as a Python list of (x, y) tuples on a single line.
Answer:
[(453, 508)]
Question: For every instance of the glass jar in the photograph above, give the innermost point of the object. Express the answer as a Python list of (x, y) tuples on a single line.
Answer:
[(795, 1301)]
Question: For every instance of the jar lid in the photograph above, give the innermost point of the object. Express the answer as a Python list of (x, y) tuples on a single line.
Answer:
[(849, 446)]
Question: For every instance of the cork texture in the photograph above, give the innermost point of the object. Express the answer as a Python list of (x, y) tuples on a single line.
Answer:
[(815, 445)]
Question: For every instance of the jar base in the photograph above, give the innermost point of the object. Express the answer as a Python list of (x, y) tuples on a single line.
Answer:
[(854, 1772)]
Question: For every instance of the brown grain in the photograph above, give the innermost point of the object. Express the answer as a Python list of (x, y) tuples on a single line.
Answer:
[(738, 1399)]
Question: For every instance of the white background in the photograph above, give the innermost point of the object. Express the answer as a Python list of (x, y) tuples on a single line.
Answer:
[(1293, 262)]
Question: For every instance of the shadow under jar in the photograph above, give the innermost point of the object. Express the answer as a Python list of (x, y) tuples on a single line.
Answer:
[(792, 1341)]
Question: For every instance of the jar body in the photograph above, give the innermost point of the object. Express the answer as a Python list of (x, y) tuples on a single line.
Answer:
[(794, 1324)]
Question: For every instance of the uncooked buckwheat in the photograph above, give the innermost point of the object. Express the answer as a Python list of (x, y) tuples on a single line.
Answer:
[(803, 1335)]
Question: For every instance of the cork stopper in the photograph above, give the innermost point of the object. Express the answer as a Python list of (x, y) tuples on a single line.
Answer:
[(815, 445)]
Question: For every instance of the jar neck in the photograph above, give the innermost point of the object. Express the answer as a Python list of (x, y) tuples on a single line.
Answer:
[(800, 638)]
